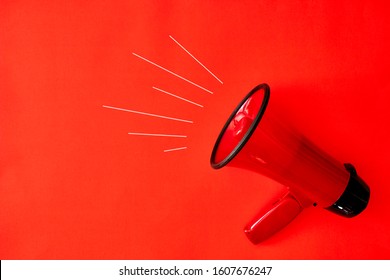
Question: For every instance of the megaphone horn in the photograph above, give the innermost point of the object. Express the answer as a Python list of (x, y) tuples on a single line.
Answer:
[(256, 138)]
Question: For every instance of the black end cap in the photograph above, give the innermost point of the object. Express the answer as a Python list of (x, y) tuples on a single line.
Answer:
[(355, 197)]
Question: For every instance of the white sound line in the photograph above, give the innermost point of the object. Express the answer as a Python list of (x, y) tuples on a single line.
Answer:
[(156, 134), (171, 94), (173, 73), (175, 149), (147, 114), (196, 59)]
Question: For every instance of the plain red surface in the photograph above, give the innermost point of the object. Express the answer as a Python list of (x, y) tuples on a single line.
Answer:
[(75, 185)]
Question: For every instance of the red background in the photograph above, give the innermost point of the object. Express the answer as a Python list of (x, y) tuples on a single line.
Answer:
[(75, 185)]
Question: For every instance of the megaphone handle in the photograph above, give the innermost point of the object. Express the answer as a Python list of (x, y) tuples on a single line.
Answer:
[(271, 220)]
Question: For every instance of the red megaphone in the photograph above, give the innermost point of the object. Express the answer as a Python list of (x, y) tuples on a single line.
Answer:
[(256, 139)]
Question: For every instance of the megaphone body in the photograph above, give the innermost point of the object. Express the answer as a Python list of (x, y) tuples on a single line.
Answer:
[(256, 138)]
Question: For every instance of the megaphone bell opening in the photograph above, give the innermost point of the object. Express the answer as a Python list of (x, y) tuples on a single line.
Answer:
[(240, 126)]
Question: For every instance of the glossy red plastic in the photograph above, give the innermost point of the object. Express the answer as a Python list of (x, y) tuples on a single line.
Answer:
[(257, 139)]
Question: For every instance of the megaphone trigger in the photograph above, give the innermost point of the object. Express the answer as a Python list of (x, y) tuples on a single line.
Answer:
[(270, 220)]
